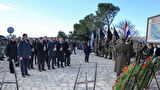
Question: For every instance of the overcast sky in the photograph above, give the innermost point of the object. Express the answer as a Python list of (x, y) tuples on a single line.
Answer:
[(47, 17)]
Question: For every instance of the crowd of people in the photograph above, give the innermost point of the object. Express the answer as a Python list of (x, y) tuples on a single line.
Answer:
[(126, 53), (53, 53)]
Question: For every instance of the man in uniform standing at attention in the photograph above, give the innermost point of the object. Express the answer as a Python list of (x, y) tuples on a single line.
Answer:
[(121, 56), (24, 53), (130, 49)]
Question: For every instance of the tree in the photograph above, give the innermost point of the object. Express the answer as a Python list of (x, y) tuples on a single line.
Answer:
[(107, 12), (62, 34), (121, 26), (83, 30), (104, 17)]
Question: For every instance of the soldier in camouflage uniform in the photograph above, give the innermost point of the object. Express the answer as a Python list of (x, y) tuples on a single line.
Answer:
[(103, 48), (110, 48), (139, 51), (3, 43), (106, 49)]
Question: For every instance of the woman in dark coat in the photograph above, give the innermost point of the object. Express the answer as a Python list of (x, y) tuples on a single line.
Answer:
[(87, 51), (11, 53)]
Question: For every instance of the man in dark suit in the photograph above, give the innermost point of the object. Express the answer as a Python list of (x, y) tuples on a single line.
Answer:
[(30, 64), (60, 52), (56, 41), (87, 51), (74, 47), (51, 53), (24, 53), (156, 51), (45, 42), (41, 49), (67, 52)]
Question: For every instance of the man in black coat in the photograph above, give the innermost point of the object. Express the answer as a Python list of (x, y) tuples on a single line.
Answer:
[(35, 45), (56, 41), (11, 53), (41, 49), (67, 52), (30, 64), (24, 53), (45, 42), (51, 53), (156, 51), (150, 50), (74, 47), (60, 52), (87, 51)]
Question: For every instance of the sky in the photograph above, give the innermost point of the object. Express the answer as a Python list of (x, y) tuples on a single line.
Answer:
[(47, 17)]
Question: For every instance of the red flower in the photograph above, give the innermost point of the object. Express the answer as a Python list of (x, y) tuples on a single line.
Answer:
[(113, 87), (120, 75), (125, 69), (149, 59), (144, 65), (145, 60), (133, 64), (117, 81)]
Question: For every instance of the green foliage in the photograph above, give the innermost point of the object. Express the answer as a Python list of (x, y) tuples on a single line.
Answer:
[(107, 12), (104, 16), (62, 34)]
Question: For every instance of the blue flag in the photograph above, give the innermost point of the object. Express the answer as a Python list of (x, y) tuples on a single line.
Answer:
[(92, 40)]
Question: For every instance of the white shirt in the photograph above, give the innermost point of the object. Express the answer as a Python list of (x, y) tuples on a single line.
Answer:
[(154, 51)]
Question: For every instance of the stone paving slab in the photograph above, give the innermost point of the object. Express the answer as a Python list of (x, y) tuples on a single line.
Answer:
[(64, 78)]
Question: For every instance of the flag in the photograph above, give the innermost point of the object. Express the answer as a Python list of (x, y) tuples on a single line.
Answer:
[(92, 39), (115, 34), (109, 37), (126, 30), (101, 34)]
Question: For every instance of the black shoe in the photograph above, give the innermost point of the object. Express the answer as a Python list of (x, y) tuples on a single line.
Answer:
[(69, 65), (40, 70), (49, 68), (28, 75), (62, 66), (32, 68), (53, 68), (12, 72), (43, 70), (23, 76)]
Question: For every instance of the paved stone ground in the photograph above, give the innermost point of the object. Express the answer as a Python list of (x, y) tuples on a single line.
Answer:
[(64, 78)]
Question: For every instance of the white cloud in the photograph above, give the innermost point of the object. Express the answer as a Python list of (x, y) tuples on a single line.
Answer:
[(6, 7)]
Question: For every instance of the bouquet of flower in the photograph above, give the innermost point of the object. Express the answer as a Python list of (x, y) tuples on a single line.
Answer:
[(136, 75)]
